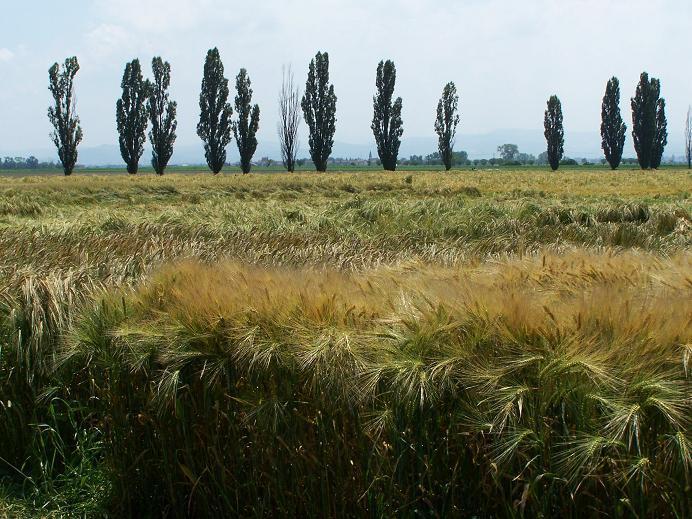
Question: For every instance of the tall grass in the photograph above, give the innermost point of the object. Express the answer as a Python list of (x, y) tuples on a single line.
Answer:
[(504, 389), (506, 344), (47, 447), (124, 239)]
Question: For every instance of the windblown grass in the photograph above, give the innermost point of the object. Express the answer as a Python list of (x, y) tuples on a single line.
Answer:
[(477, 343), (504, 388), (120, 226)]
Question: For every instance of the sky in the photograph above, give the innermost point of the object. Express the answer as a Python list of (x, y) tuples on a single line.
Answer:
[(506, 58)]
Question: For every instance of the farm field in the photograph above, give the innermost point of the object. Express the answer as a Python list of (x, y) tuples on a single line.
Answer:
[(512, 343)]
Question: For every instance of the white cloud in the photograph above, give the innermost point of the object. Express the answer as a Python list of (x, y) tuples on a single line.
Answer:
[(107, 39), (6, 55), (158, 16)]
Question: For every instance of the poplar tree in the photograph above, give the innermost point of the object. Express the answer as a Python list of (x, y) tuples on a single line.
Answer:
[(446, 123), (289, 119), (214, 127), (247, 123), (319, 110), (387, 125), (132, 115), (613, 129), (554, 132), (67, 133), (661, 134), (688, 137), (162, 113), (644, 111)]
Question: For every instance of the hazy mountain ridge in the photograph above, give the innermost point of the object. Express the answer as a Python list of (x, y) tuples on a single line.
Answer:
[(478, 146)]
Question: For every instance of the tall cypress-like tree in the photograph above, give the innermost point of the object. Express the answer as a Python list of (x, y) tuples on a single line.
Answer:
[(644, 110), (661, 134), (246, 126), (554, 132), (214, 127), (688, 137), (67, 133), (387, 125), (162, 113), (319, 110), (613, 129), (132, 115), (446, 123)]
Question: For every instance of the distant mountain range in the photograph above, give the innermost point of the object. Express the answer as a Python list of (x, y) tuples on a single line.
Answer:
[(478, 146)]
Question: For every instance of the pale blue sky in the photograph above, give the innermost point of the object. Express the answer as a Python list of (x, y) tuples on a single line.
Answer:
[(505, 56)]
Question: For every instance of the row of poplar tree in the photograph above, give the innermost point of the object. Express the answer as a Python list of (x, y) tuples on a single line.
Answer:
[(145, 102), (649, 125)]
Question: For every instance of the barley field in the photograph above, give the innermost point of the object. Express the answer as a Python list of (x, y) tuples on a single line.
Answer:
[(413, 344)]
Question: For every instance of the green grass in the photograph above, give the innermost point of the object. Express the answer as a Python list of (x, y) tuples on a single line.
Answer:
[(511, 343)]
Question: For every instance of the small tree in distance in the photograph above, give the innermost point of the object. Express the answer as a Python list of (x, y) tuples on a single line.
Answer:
[(67, 133), (554, 132), (446, 123), (132, 115), (162, 113), (246, 126), (319, 110), (214, 127), (289, 119), (508, 152), (387, 125), (613, 129)]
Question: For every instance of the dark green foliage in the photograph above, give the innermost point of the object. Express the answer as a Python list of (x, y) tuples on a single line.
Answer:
[(30, 162), (613, 128), (319, 109), (508, 152), (162, 114), (67, 133), (132, 114), (446, 123), (245, 127), (554, 132), (644, 119), (661, 135), (214, 127), (387, 125)]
